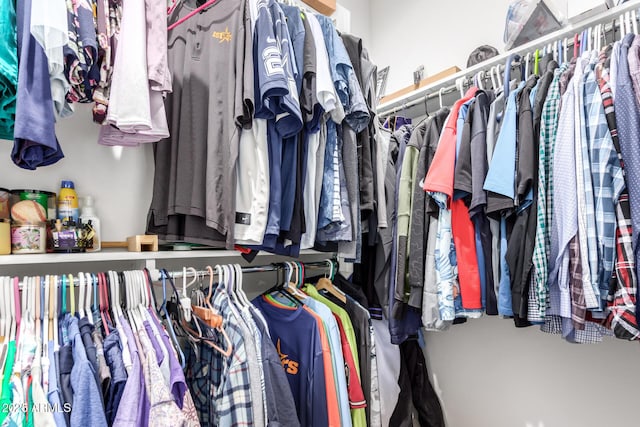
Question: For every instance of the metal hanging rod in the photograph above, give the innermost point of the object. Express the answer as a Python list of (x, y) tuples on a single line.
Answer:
[(448, 84), (178, 274), (155, 274)]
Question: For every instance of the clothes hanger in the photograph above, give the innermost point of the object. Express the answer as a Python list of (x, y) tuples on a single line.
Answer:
[(440, 96), (197, 335), (460, 86), (327, 285), (527, 60), (82, 295), (89, 291), (53, 307), (190, 14), (104, 304), (204, 310), (164, 275), (281, 285), (185, 300), (114, 283), (72, 294), (153, 303), (494, 85), (241, 293), (634, 21)]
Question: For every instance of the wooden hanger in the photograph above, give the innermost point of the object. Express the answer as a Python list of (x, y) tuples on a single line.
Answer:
[(327, 285)]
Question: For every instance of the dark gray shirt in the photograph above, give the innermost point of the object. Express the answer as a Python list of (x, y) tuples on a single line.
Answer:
[(211, 61)]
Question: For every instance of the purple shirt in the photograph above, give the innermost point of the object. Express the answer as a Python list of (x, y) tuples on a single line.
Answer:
[(134, 405), (177, 381)]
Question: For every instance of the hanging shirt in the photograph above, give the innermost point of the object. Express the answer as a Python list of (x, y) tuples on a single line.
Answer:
[(35, 142), (87, 401), (628, 131), (586, 214), (548, 128), (194, 185), (49, 27), (607, 178), (108, 19), (295, 335), (337, 357), (53, 394), (8, 68), (621, 299), (163, 410), (564, 213), (281, 408), (113, 358), (134, 403), (439, 182), (81, 51)]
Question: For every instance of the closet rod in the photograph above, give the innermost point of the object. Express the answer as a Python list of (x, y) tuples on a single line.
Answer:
[(155, 274), (448, 84)]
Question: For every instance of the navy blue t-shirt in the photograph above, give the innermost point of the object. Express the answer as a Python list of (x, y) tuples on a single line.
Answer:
[(295, 334)]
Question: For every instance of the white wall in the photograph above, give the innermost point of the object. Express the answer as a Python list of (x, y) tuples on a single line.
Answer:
[(488, 373), (121, 186), (360, 11), (437, 34), (491, 374)]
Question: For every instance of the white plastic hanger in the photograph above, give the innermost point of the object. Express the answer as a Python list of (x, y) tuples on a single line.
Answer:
[(72, 294), (82, 294), (242, 294), (54, 311), (185, 300), (86, 302), (440, 96), (46, 315), (634, 21)]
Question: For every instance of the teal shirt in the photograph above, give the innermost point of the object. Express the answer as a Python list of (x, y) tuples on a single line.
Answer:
[(8, 68)]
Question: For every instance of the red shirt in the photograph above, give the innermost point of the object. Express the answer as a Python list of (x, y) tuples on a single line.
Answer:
[(440, 179)]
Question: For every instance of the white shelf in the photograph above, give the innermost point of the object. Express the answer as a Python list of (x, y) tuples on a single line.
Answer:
[(108, 255)]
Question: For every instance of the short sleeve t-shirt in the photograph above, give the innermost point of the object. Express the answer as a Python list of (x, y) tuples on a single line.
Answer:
[(295, 334), (211, 59)]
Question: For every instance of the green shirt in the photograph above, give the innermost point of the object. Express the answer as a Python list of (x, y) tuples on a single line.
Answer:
[(5, 394), (358, 416)]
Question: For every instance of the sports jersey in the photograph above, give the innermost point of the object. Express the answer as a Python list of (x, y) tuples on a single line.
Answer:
[(211, 59)]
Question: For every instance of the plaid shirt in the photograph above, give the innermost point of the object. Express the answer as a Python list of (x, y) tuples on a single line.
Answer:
[(621, 300), (565, 207), (548, 129), (576, 285), (220, 385), (586, 208), (592, 333), (607, 180)]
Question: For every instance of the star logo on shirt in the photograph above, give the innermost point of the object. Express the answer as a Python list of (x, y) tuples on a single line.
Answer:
[(223, 36)]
